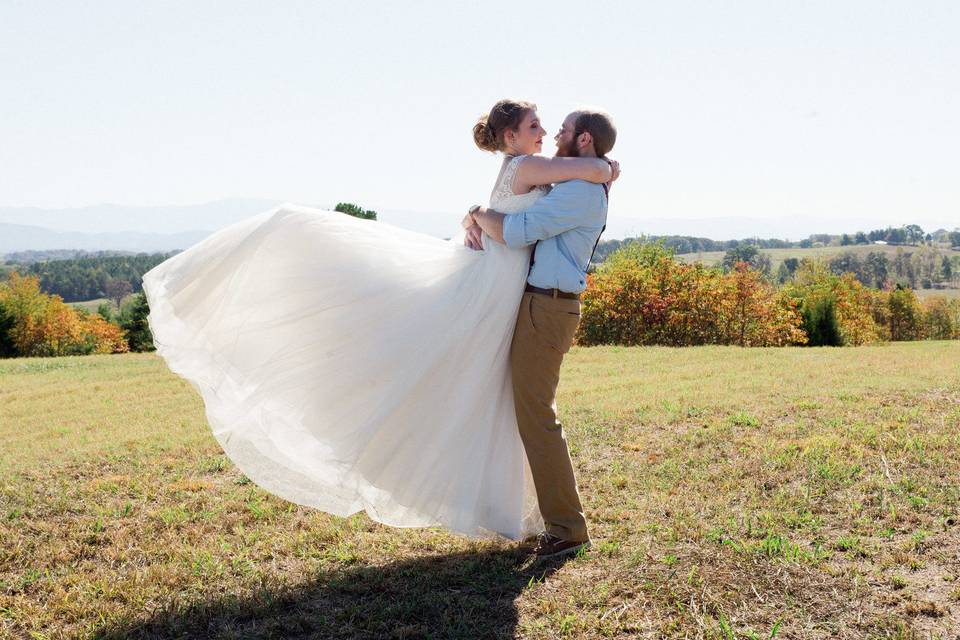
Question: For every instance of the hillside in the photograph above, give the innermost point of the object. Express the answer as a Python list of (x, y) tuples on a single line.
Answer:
[(778, 255), (17, 237), (731, 493)]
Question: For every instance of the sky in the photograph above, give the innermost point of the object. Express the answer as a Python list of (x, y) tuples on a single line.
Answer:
[(839, 109)]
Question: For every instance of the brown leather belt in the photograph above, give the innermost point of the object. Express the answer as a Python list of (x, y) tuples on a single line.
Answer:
[(553, 293)]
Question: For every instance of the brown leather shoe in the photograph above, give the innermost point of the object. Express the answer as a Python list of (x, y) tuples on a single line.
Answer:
[(550, 546)]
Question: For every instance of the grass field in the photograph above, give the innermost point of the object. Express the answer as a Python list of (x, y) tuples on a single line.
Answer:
[(91, 305), (731, 494), (928, 293), (778, 255)]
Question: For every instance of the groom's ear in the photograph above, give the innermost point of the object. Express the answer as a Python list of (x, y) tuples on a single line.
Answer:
[(584, 140)]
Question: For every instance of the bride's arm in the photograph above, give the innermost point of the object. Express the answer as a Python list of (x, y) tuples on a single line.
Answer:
[(536, 170)]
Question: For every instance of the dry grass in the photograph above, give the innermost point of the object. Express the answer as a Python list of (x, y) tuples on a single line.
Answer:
[(929, 293), (91, 305), (778, 255), (792, 493)]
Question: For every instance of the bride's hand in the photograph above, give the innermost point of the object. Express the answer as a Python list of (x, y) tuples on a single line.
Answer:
[(614, 172), (615, 169), (472, 238)]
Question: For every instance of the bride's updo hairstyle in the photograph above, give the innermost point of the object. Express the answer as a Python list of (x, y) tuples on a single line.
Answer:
[(506, 114)]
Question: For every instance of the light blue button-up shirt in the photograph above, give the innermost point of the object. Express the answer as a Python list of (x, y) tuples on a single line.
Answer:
[(566, 222)]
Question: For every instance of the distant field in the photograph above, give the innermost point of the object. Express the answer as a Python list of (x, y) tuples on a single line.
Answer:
[(91, 305), (779, 255), (731, 493), (949, 293)]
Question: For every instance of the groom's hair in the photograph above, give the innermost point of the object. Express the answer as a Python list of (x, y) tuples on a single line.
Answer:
[(599, 125)]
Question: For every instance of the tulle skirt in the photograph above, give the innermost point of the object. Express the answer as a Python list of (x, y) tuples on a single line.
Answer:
[(350, 365)]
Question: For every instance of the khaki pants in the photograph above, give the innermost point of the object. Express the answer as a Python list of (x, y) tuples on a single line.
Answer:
[(544, 332)]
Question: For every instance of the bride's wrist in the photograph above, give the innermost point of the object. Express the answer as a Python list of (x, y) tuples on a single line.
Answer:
[(469, 220)]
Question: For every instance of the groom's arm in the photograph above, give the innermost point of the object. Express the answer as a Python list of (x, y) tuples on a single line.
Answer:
[(490, 221), (564, 208)]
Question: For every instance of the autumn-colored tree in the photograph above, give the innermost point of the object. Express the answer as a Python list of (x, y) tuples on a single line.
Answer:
[(954, 307), (905, 315), (50, 332), (938, 321), (756, 315), (641, 295), (44, 325), (100, 336), (821, 294)]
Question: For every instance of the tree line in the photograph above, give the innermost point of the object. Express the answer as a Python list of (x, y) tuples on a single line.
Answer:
[(925, 267), (642, 295), (34, 323), (906, 235), (90, 277)]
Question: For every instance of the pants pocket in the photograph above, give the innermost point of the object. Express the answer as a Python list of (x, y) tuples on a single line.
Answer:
[(555, 321)]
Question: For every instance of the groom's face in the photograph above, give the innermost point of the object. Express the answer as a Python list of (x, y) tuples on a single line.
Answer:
[(566, 144)]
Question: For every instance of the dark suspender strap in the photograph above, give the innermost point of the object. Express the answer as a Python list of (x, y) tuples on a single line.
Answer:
[(595, 246), (606, 191)]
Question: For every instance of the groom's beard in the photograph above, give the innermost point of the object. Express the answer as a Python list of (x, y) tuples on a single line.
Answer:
[(569, 150)]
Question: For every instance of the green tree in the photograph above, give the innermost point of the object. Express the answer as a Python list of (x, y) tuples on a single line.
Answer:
[(847, 262), (749, 253), (134, 322), (897, 236), (845, 240), (105, 312), (915, 234), (787, 268), (876, 269), (355, 210), (7, 320), (819, 313)]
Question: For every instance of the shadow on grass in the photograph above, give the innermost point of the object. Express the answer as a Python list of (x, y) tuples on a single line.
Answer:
[(462, 595)]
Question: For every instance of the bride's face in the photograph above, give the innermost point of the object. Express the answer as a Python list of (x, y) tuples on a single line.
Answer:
[(528, 138)]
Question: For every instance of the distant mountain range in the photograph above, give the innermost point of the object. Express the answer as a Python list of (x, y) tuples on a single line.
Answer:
[(165, 228), (104, 218), (16, 237)]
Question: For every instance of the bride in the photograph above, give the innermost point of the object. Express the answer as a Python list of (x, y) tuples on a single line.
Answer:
[(351, 365)]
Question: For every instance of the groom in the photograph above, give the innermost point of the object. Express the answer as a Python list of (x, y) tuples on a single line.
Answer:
[(564, 226)]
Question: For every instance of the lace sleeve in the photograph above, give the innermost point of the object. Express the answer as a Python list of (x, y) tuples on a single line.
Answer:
[(505, 186)]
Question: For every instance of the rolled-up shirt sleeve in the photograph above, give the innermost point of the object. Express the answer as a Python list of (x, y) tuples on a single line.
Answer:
[(560, 210)]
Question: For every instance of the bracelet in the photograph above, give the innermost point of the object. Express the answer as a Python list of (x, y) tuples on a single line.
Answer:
[(472, 210)]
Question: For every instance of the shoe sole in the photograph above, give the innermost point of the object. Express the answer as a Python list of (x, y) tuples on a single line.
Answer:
[(569, 551)]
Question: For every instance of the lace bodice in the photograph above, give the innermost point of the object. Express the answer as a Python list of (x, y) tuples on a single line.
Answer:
[(504, 200)]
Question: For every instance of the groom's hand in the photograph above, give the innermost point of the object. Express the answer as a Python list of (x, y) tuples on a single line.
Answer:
[(472, 238)]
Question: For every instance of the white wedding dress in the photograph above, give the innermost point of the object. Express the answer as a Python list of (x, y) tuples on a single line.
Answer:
[(351, 365)]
